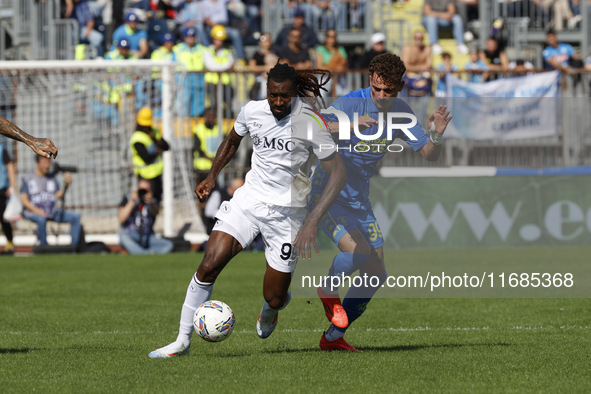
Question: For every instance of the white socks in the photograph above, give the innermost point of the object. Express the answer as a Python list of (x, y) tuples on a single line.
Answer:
[(268, 313), (197, 293)]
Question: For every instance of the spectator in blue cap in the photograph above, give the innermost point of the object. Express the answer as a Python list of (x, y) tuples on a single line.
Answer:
[(121, 52), (138, 38), (190, 53), (190, 15), (165, 52)]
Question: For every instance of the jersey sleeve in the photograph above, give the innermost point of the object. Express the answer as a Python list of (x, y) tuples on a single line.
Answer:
[(417, 131), (322, 144), (240, 124)]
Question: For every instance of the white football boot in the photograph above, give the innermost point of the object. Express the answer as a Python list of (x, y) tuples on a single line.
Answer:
[(175, 349)]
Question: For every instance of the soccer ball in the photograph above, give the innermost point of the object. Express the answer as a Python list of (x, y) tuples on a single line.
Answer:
[(214, 321)]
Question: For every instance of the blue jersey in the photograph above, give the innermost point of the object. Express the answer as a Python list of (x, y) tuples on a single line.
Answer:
[(561, 55), (361, 157)]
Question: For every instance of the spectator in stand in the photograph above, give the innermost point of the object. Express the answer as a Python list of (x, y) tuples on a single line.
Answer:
[(253, 15), (262, 61), (190, 15), (332, 57), (356, 14), (468, 11), (207, 137), (318, 14), (165, 52), (137, 214), (7, 187), (476, 64), (378, 46), (121, 52), (190, 54), (558, 55), (418, 61), (40, 193), (562, 11), (308, 35), (521, 67), (218, 59), (294, 52), (215, 12), (444, 69), (85, 18), (494, 57), (138, 38), (442, 13)]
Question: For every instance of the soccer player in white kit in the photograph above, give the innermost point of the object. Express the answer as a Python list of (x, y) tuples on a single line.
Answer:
[(273, 199)]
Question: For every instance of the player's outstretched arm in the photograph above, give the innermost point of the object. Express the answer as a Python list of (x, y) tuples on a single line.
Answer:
[(437, 123), (225, 152), (42, 146), (307, 235)]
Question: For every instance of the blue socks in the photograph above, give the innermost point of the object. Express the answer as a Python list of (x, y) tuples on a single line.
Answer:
[(356, 300)]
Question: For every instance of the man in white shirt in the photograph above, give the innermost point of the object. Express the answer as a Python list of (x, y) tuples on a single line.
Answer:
[(272, 201)]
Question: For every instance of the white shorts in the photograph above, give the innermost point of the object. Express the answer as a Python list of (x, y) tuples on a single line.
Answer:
[(244, 217)]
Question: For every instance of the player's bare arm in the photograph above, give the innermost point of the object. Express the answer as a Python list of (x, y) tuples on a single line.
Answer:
[(42, 146), (307, 235), (225, 152), (437, 123)]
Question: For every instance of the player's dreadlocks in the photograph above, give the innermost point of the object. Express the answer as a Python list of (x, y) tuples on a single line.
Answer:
[(308, 83), (389, 67)]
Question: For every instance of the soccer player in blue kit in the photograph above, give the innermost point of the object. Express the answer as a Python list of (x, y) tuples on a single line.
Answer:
[(350, 221)]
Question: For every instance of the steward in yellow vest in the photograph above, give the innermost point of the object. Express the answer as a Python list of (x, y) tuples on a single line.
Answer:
[(146, 146), (217, 59), (190, 54), (207, 139)]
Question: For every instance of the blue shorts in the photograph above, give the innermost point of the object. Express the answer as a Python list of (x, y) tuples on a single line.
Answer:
[(341, 219)]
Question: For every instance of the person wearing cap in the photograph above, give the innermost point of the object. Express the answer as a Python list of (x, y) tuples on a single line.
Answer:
[(217, 59), (121, 52), (215, 12), (190, 54), (164, 52), (309, 39), (378, 46), (111, 90), (138, 38), (190, 15), (146, 146)]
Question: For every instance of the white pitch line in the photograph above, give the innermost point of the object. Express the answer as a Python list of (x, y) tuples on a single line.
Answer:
[(317, 330)]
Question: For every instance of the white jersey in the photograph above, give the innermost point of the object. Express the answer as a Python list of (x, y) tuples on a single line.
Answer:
[(282, 151)]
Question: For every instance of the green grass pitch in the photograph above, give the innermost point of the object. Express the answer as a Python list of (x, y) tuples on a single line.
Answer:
[(86, 323)]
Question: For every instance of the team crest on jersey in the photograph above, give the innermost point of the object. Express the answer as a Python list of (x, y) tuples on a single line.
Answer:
[(256, 140)]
